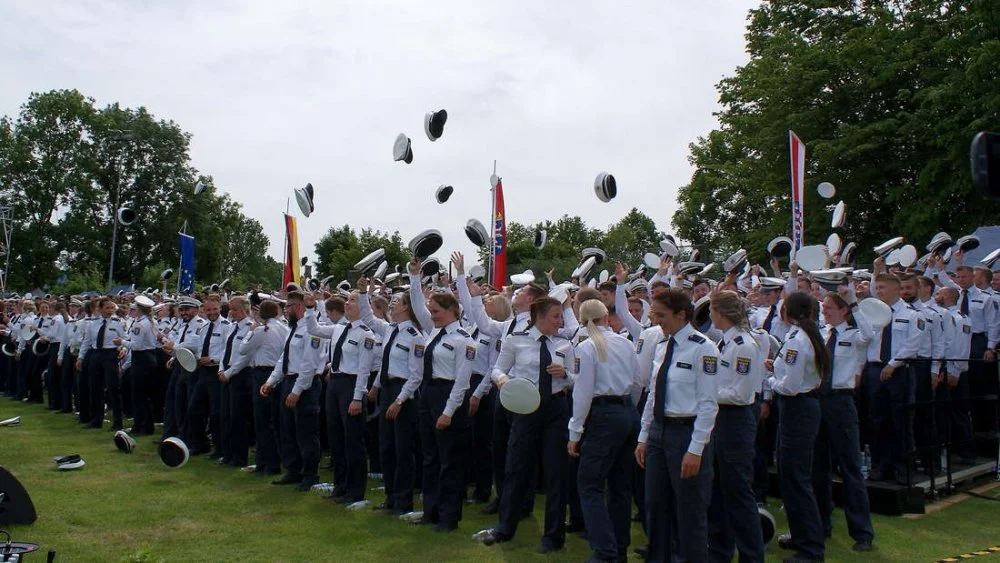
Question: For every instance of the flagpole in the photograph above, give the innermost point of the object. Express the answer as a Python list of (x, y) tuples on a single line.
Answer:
[(493, 222), (180, 263)]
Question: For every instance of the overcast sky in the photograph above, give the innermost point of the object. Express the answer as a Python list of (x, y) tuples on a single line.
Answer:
[(277, 94)]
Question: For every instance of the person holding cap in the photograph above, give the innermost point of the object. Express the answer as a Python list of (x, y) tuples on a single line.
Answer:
[(602, 432), (204, 402), (674, 441), (352, 346), (543, 357), (297, 372), (847, 334), (447, 360), (399, 378), (179, 387)]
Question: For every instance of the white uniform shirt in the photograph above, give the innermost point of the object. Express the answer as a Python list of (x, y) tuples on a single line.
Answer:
[(264, 345), (451, 359), (907, 331), (795, 370), (238, 332), (402, 363), (738, 381), (520, 354), (114, 328), (141, 337), (692, 385), (616, 375), (305, 359)]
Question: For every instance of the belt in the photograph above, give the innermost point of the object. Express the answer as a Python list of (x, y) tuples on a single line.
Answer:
[(269, 368), (842, 392), (811, 394), (676, 420), (342, 375), (734, 407), (438, 382), (611, 400), (392, 379), (291, 375)]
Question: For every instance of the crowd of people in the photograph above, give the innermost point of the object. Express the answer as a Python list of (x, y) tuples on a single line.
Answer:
[(661, 389)]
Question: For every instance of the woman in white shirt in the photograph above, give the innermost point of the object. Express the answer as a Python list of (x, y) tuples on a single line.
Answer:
[(799, 370), (602, 432)]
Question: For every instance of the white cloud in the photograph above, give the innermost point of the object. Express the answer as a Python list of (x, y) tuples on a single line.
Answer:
[(277, 95)]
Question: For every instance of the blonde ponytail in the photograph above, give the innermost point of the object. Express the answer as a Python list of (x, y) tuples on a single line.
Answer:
[(593, 310)]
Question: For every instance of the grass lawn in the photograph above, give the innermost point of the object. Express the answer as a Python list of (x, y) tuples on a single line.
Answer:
[(130, 508)]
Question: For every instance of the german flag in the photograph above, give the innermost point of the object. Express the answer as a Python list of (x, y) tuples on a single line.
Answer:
[(292, 273)]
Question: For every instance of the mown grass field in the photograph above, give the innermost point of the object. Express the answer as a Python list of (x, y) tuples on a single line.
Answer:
[(130, 508)]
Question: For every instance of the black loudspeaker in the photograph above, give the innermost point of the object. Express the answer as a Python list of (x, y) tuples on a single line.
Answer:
[(15, 504), (985, 157)]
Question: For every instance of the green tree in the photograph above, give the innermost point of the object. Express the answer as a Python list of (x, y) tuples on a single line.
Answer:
[(64, 163), (887, 94), (340, 249)]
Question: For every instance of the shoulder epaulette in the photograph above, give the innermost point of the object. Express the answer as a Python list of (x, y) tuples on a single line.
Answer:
[(697, 338), (792, 334), (411, 330), (225, 321), (365, 327), (463, 332), (738, 339)]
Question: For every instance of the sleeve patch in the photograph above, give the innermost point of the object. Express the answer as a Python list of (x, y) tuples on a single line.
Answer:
[(920, 324), (470, 353), (791, 356), (418, 350), (369, 343), (314, 342), (742, 366), (966, 329), (710, 364)]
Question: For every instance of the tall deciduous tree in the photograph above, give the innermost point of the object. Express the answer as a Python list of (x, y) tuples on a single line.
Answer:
[(887, 94), (64, 164)]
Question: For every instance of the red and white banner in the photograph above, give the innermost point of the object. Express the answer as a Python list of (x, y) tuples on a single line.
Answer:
[(499, 238), (797, 156)]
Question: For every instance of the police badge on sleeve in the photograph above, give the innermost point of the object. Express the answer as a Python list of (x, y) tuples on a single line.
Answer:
[(791, 356), (418, 350), (710, 364), (369, 343), (314, 342), (470, 353), (742, 366)]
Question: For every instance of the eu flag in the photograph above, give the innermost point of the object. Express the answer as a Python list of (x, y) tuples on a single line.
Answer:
[(186, 278)]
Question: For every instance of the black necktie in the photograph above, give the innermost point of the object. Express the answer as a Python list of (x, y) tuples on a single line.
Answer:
[(100, 334), (510, 328), (722, 345), (208, 340), (338, 350), (288, 342), (544, 377), (964, 309), (769, 319), (429, 356), (386, 351), (660, 400), (885, 351), (229, 346), (831, 346)]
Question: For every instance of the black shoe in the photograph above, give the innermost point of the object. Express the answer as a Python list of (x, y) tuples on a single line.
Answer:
[(288, 479), (338, 495), (641, 550), (397, 512), (445, 527), (545, 548), (785, 541), (306, 484), (346, 500), (490, 536), (491, 508), (862, 546)]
